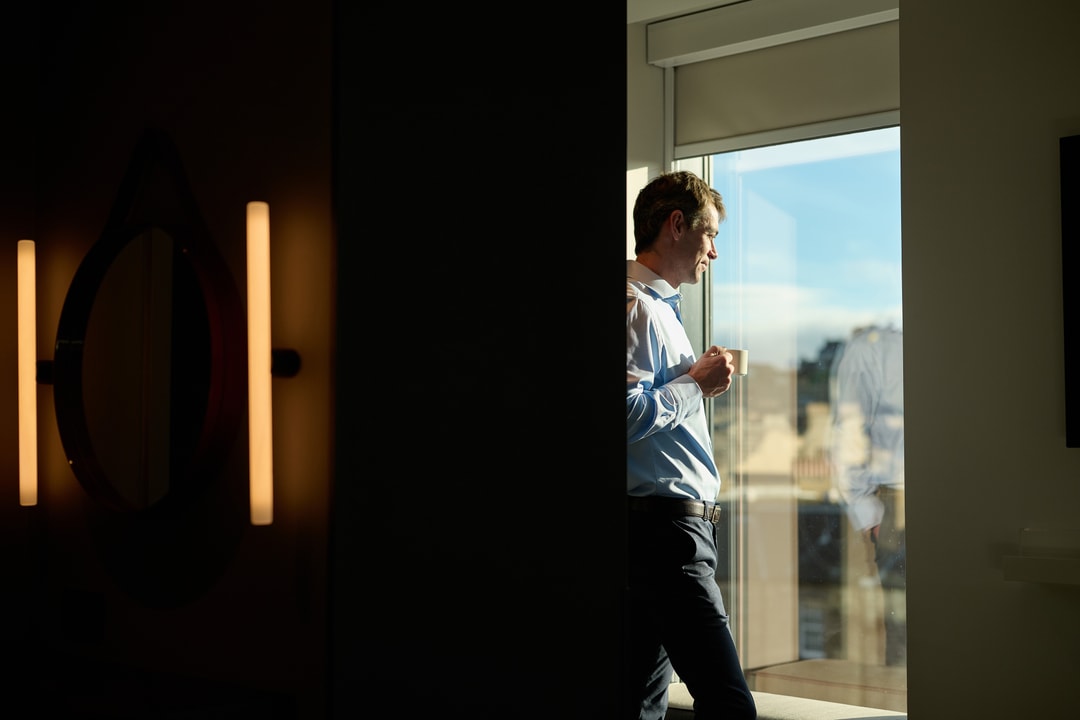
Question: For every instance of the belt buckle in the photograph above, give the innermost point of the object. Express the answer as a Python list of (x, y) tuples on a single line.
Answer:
[(711, 512)]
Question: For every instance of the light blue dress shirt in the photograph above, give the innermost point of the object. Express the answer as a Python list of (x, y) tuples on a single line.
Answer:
[(669, 447)]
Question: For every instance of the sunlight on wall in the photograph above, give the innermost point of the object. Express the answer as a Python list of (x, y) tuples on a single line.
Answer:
[(635, 180)]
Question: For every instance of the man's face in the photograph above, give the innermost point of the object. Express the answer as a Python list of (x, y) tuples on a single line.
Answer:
[(696, 248)]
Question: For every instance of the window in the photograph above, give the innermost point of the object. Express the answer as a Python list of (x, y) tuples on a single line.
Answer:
[(810, 442)]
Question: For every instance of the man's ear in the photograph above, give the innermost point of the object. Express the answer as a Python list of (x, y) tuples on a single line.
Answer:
[(678, 223)]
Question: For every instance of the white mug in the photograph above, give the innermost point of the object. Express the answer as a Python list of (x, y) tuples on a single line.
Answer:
[(740, 359)]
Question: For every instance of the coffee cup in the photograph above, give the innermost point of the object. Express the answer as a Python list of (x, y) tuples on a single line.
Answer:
[(740, 359)]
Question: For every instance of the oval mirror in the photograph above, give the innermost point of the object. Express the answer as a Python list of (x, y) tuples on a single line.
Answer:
[(149, 350), (148, 376)]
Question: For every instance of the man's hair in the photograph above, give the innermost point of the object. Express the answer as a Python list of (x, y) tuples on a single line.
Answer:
[(666, 193)]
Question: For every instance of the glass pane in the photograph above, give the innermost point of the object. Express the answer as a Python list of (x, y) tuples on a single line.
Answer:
[(810, 442)]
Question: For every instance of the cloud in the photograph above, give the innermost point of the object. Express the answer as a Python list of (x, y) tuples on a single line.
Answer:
[(781, 324)]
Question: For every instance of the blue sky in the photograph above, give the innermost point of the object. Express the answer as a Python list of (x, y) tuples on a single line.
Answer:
[(811, 247)]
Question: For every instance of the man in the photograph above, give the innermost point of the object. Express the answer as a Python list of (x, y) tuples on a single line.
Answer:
[(868, 457), (676, 615)]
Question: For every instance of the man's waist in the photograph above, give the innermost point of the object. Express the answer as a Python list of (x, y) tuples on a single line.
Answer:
[(674, 507)]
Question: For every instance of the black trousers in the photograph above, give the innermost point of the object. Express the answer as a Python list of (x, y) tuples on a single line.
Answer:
[(676, 619)]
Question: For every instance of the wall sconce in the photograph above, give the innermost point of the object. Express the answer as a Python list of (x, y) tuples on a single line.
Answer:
[(27, 310), (264, 363), (260, 366)]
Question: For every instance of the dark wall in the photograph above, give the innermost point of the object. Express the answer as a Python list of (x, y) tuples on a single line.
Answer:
[(453, 543), (190, 613), (477, 542)]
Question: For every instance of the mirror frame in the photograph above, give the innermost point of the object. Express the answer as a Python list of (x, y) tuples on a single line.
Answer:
[(154, 193)]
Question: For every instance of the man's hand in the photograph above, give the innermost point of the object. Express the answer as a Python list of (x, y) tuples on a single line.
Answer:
[(712, 371)]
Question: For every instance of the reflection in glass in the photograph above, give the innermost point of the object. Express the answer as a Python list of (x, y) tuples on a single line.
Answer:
[(809, 267), (867, 452)]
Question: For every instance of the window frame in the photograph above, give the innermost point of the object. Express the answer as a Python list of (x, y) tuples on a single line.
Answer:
[(698, 309)]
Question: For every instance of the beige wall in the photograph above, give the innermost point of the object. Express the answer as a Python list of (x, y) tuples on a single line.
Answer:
[(645, 122), (985, 95)]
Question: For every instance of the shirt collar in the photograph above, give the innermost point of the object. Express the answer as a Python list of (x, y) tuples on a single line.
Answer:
[(660, 287)]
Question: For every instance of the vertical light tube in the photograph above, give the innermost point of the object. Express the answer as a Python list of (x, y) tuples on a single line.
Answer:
[(260, 425), (27, 310)]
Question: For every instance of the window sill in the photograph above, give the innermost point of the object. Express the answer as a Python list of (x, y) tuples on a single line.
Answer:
[(781, 707)]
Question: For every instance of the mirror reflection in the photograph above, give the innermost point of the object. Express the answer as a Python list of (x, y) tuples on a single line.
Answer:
[(145, 369)]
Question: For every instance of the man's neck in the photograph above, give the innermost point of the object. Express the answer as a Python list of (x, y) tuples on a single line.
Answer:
[(655, 262)]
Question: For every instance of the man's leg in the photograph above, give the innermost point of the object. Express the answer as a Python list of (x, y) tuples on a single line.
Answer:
[(697, 636), (648, 682)]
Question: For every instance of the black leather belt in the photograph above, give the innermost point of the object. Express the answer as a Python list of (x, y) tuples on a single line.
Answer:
[(675, 507)]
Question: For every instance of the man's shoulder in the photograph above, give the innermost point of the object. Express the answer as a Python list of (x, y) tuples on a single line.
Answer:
[(639, 299)]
